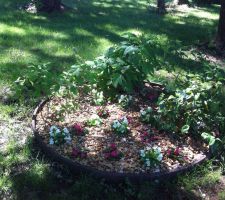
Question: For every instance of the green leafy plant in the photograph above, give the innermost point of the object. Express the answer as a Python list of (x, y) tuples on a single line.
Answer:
[(215, 144), (146, 115), (58, 136), (98, 97), (126, 65), (103, 112), (195, 108), (120, 126), (95, 120), (151, 156), (125, 101), (39, 80), (122, 67)]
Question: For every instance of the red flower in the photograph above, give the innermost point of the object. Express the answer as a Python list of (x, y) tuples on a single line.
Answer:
[(75, 153), (186, 158), (107, 155), (153, 138), (83, 155), (177, 151), (113, 146), (168, 152), (114, 154), (129, 119), (145, 134), (151, 97), (78, 128)]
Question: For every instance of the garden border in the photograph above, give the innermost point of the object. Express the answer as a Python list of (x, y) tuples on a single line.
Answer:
[(77, 168)]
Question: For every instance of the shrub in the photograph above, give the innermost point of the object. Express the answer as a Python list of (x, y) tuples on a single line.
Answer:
[(122, 67), (195, 109), (37, 81)]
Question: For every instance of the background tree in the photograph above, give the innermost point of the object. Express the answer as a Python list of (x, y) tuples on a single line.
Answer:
[(220, 38), (49, 5), (180, 2), (161, 6)]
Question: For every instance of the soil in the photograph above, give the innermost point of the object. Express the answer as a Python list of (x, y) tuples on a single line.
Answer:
[(100, 137)]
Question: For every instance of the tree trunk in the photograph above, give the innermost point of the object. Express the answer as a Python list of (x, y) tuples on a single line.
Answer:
[(161, 6), (220, 39), (50, 5), (180, 2)]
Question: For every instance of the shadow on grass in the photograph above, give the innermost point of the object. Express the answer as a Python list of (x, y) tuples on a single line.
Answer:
[(42, 179), (58, 37)]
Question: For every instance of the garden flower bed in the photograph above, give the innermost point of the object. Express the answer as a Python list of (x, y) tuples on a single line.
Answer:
[(114, 136)]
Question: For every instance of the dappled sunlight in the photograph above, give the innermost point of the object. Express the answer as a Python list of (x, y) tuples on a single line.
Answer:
[(4, 28)]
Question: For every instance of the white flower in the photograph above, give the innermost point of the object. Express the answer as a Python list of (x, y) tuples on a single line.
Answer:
[(51, 133), (58, 131), (94, 116), (148, 163), (149, 109), (157, 149), (143, 112), (68, 139), (53, 128), (66, 131), (160, 156), (116, 124), (125, 121), (51, 141), (142, 152), (148, 148)]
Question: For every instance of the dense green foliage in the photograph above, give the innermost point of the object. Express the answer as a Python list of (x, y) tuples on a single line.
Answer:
[(198, 107), (61, 38)]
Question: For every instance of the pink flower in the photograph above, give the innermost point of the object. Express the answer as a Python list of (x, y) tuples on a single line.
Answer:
[(151, 96), (177, 151), (186, 158), (153, 138), (168, 152), (83, 155), (75, 153), (78, 129), (129, 119), (114, 154), (107, 155), (113, 146), (145, 134)]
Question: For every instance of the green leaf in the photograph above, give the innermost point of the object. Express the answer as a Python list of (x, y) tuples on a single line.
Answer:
[(209, 138), (117, 80), (185, 129), (130, 50)]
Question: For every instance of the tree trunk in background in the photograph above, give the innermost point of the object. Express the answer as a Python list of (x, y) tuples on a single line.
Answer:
[(220, 39), (161, 6), (50, 5), (180, 2)]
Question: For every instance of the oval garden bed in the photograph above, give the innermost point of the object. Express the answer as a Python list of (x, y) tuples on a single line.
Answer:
[(113, 140)]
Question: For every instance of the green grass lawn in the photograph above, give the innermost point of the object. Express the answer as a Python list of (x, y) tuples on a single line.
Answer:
[(80, 34), (86, 32)]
